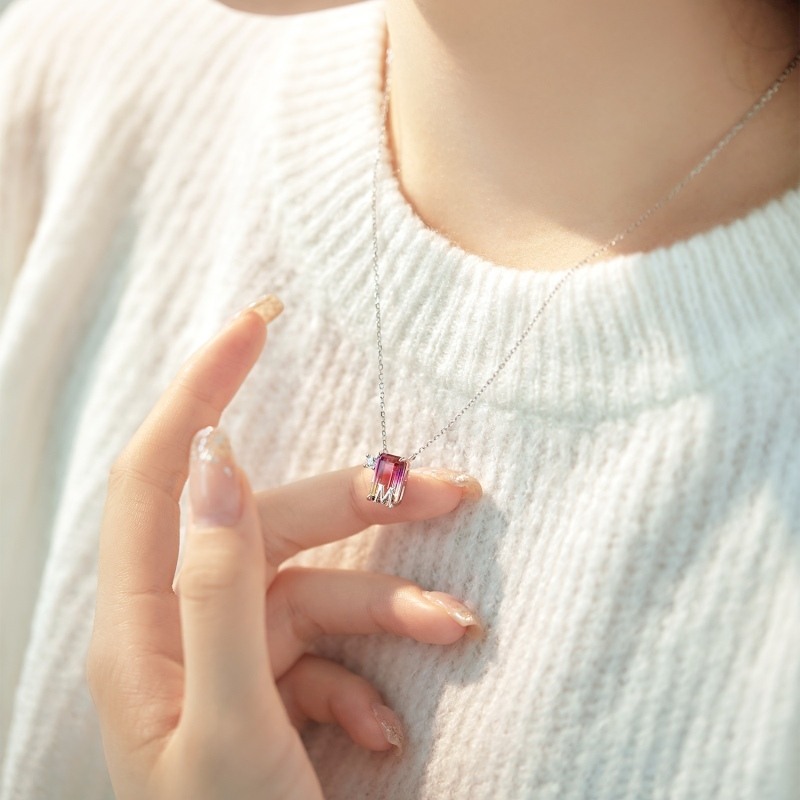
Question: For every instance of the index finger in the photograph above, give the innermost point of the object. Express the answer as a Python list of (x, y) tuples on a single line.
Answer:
[(138, 540)]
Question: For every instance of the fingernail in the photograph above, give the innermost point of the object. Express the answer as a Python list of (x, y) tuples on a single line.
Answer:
[(469, 486), (462, 614), (267, 307), (215, 493), (390, 725)]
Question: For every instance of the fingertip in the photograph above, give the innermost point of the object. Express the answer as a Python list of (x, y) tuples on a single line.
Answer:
[(391, 729), (266, 308), (375, 726), (429, 493), (254, 319), (458, 612), (468, 485)]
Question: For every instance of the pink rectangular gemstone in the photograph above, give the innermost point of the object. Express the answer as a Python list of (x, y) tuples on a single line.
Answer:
[(389, 480)]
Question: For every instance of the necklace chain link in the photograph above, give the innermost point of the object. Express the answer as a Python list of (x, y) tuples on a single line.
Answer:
[(755, 108)]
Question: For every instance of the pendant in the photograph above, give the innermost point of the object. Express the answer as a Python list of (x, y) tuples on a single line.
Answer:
[(389, 480)]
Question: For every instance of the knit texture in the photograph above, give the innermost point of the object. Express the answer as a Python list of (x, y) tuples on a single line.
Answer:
[(636, 553)]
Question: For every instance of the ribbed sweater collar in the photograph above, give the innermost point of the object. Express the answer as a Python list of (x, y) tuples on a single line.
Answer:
[(620, 334)]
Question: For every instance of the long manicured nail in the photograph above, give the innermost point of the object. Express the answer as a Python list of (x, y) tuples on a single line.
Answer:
[(456, 610), (215, 493), (267, 307), (390, 725), (469, 486)]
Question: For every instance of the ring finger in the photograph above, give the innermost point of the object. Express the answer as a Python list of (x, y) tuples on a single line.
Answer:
[(306, 602)]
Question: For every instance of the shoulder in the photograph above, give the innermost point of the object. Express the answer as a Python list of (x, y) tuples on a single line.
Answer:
[(68, 54), (90, 89), (108, 58), (113, 96)]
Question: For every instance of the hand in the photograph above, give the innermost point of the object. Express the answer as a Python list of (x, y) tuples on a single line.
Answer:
[(201, 694)]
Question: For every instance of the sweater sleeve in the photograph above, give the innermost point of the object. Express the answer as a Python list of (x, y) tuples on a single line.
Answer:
[(24, 56), (22, 77)]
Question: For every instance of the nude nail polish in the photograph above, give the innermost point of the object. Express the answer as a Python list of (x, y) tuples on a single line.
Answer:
[(215, 493), (469, 486), (457, 611), (267, 307), (390, 725)]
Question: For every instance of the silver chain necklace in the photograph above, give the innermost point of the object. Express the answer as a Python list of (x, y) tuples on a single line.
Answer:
[(391, 471)]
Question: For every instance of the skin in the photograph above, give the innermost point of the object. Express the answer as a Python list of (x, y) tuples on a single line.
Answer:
[(201, 693), (567, 120), (547, 112)]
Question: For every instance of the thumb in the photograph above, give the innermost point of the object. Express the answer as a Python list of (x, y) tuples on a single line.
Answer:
[(221, 587)]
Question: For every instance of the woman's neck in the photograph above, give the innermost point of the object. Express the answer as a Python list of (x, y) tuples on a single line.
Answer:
[(531, 131)]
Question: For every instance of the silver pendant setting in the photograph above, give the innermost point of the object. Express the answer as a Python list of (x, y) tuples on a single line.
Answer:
[(389, 478)]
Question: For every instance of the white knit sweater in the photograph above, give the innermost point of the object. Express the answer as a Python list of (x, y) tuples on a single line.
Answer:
[(636, 554)]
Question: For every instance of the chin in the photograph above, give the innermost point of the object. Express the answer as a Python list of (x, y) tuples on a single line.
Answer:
[(279, 7)]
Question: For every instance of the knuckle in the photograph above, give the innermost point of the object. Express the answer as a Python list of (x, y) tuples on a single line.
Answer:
[(304, 627), (122, 474), (279, 547), (120, 467), (289, 609), (279, 614), (380, 613), (127, 474), (186, 385), (393, 608), (286, 576), (215, 561)]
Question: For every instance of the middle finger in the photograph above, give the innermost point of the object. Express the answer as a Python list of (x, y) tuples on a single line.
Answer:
[(306, 602)]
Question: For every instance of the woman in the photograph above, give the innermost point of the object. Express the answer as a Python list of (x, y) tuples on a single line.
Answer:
[(633, 559)]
